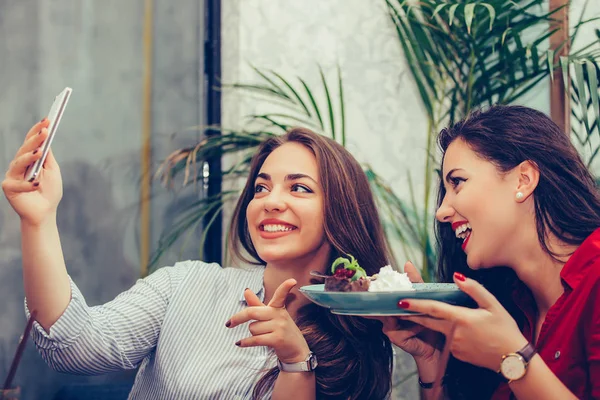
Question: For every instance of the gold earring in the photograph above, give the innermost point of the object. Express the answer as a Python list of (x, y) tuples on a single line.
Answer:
[(520, 195)]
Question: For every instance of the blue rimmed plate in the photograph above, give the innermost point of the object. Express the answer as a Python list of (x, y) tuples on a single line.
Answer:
[(382, 303)]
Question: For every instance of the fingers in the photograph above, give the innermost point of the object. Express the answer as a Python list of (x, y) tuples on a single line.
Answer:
[(252, 299), (33, 143), (261, 313), (261, 327), (476, 291), (278, 300), (19, 186), (19, 166), (433, 308), (439, 325), (35, 129), (412, 272), (260, 340), (401, 330)]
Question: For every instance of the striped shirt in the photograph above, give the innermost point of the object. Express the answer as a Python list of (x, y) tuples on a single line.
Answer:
[(171, 324)]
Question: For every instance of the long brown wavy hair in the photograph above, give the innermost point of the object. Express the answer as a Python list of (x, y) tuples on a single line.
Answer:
[(355, 357), (567, 204)]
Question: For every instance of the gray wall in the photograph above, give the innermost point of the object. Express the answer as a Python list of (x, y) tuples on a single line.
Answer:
[(96, 47)]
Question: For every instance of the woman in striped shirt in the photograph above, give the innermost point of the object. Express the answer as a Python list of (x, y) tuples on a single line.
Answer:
[(197, 330)]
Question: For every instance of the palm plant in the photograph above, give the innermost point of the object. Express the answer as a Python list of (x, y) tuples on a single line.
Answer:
[(585, 91), (296, 104), (464, 55), (460, 55)]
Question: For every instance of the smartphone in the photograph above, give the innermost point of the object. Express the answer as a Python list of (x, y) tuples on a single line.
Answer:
[(54, 116)]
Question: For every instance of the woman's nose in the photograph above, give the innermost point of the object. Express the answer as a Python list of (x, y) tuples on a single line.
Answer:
[(445, 212), (275, 201)]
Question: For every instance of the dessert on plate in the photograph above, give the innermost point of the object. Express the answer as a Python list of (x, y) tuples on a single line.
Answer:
[(349, 276)]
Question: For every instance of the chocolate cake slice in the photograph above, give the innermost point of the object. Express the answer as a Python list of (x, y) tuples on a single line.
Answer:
[(347, 276)]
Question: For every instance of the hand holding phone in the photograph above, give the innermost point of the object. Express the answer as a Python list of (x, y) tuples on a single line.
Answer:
[(54, 116)]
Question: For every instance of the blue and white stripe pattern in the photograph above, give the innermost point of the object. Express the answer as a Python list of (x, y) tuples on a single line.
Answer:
[(173, 324)]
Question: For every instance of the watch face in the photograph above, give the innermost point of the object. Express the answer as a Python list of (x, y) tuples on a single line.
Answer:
[(513, 367)]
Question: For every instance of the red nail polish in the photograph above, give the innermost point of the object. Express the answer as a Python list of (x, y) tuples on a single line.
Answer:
[(459, 276), (403, 304), (35, 151), (36, 184), (43, 120), (238, 343), (228, 323)]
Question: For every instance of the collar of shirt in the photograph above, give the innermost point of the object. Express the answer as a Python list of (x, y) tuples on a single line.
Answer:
[(572, 273), (578, 264)]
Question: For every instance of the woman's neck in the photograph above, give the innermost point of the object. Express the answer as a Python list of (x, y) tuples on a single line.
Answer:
[(278, 272), (541, 272)]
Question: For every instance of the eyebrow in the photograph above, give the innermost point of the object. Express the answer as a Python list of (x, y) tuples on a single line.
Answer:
[(288, 177), (448, 175)]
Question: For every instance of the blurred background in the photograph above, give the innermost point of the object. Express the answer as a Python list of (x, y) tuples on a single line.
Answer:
[(170, 99)]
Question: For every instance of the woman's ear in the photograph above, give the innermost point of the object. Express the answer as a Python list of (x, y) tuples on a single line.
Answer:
[(529, 177)]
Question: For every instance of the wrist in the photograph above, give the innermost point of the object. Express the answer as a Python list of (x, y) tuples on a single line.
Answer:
[(29, 224), (427, 368), (514, 364), (308, 364)]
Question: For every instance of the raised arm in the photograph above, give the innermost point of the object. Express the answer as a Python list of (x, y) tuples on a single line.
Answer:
[(45, 276)]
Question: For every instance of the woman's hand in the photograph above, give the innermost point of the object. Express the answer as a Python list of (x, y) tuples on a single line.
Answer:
[(418, 341), (33, 201), (478, 336), (272, 326)]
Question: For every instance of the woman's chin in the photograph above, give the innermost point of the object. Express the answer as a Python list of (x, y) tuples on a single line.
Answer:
[(274, 257)]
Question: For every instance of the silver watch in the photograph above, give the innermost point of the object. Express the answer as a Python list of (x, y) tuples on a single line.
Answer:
[(307, 365)]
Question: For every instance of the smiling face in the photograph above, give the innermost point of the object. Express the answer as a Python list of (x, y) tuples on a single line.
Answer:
[(480, 205), (285, 217)]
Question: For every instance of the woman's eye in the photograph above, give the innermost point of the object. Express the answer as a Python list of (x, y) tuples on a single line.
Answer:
[(456, 181), (300, 189), (260, 188)]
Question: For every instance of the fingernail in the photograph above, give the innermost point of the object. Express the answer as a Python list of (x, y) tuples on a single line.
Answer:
[(36, 184), (35, 151), (43, 120), (403, 304), (40, 132), (246, 289), (459, 276), (228, 323), (238, 343)]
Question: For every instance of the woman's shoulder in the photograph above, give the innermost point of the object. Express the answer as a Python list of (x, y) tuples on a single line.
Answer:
[(196, 272)]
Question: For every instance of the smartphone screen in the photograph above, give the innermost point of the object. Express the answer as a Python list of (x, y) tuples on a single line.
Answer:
[(54, 116)]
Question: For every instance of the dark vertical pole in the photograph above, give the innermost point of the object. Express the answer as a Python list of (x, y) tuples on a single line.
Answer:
[(212, 56)]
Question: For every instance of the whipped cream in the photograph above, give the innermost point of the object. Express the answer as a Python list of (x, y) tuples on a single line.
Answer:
[(389, 280)]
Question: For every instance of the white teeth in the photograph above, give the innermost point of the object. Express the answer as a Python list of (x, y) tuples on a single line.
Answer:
[(277, 228), (461, 231)]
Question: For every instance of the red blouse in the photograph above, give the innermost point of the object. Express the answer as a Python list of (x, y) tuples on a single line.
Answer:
[(569, 342)]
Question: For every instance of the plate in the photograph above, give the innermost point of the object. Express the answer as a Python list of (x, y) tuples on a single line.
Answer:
[(382, 303)]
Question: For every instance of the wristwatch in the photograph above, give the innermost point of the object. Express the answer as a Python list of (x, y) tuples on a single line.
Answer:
[(307, 365), (514, 365)]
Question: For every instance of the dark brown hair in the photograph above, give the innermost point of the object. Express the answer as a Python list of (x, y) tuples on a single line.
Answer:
[(355, 357), (567, 205)]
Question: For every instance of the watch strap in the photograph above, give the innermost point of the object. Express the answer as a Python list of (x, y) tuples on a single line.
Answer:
[(307, 365), (527, 352), (425, 385)]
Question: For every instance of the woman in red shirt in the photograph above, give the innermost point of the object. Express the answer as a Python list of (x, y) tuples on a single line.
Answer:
[(514, 193)]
